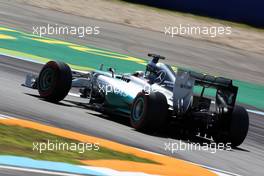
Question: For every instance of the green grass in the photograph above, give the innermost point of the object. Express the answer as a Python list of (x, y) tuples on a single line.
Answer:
[(19, 141)]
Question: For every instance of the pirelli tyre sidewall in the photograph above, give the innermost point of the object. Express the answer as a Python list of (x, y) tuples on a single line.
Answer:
[(149, 111), (54, 81)]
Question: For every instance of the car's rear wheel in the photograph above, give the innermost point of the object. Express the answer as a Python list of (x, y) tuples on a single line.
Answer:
[(236, 128), (149, 112), (54, 81)]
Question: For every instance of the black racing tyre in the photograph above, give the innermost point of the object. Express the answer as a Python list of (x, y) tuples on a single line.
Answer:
[(149, 112), (237, 128), (54, 81)]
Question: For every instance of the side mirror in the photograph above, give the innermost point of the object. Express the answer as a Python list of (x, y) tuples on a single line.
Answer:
[(112, 71)]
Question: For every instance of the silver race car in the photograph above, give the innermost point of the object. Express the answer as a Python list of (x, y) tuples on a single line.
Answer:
[(152, 98)]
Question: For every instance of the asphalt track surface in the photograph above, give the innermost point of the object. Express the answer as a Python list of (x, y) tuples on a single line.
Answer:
[(69, 114)]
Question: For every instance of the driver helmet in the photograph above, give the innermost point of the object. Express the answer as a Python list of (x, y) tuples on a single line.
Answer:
[(152, 72)]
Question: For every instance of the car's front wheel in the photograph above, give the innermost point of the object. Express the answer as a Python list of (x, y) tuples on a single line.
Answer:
[(149, 111), (54, 81)]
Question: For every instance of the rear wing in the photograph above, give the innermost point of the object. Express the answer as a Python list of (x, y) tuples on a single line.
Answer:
[(226, 92), (210, 81)]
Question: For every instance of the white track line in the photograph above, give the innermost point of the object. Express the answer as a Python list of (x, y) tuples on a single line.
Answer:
[(2, 116), (250, 110), (255, 112), (112, 172), (22, 58), (36, 171), (36, 62), (217, 171)]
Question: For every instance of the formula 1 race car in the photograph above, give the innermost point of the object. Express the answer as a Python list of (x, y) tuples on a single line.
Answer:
[(152, 98)]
